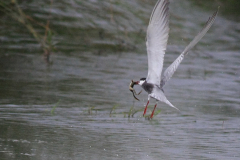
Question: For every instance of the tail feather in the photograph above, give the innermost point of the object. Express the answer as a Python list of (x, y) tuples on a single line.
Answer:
[(170, 104), (160, 96)]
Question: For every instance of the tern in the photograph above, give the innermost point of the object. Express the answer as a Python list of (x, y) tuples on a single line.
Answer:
[(157, 37)]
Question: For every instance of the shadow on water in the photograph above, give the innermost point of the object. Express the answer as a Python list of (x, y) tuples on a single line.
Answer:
[(78, 107)]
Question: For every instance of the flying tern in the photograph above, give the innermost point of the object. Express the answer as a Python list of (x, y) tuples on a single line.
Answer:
[(157, 37)]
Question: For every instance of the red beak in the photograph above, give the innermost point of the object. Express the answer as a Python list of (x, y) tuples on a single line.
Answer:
[(137, 82)]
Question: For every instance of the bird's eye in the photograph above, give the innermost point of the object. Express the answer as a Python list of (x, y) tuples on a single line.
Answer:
[(142, 79)]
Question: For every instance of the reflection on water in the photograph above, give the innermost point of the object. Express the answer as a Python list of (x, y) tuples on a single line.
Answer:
[(62, 111)]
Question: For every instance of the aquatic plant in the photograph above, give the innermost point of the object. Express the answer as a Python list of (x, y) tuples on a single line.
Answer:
[(12, 9), (54, 107), (113, 110)]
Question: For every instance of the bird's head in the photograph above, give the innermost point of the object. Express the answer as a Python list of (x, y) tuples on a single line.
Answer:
[(142, 80)]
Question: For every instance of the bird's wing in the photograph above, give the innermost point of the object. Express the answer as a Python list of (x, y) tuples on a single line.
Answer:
[(157, 37), (173, 67)]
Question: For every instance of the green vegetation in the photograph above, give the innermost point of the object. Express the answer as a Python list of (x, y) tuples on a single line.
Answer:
[(132, 112), (92, 109), (54, 107)]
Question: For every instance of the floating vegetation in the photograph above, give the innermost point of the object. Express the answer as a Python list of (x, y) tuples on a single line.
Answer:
[(128, 114), (54, 107), (113, 110), (92, 109), (132, 111)]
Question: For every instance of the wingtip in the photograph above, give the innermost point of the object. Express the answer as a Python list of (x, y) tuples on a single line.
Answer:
[(216, 11)]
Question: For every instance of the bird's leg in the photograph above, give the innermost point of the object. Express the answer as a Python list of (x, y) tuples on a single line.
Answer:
[(145, 110), (153, 111)]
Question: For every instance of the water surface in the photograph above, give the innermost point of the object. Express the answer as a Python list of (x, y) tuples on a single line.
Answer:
[(77, 108)]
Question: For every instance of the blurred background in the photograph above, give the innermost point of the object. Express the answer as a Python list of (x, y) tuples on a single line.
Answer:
[(65, 67)]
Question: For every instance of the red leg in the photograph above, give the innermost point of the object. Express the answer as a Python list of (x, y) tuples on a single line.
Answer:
[(153, 111), (145, 110)]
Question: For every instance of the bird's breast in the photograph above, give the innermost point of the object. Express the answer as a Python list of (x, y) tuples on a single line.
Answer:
[(148, 87)]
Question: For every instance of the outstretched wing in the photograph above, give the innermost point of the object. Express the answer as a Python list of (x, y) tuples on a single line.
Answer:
[(173, 67), (157, 37)]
